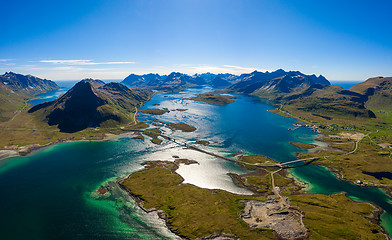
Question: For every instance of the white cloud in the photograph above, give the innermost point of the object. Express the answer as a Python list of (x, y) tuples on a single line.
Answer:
[(73, 75), (81, 62), (6, 60)]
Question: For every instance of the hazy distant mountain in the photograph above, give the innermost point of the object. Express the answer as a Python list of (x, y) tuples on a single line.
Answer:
[(245, 83), (27, 84), (91, 103), (274, 83), (16, 89), (304, 95), (173, 82)]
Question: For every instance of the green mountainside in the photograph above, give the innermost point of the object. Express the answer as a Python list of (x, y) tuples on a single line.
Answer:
[(378, 92), (16, 89), (90, 103), (321, 102)]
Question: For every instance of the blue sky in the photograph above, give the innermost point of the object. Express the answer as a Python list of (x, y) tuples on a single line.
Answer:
[(109, 39)]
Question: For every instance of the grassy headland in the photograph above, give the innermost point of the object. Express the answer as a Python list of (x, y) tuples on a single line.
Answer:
[(302, 145), (194, 212)]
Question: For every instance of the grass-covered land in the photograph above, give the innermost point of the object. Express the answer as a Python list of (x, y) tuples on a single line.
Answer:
[(181, 126), (337, 217), (155, 111), (254, 159), (369, 157), (154, 133), (303, 145), (214, 98), (194, 212), (203, 142)]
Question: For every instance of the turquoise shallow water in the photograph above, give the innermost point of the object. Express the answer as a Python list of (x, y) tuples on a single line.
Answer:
[(48, 194)]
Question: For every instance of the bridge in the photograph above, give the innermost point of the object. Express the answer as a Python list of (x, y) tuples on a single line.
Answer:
[(272, 165), (278, 165)]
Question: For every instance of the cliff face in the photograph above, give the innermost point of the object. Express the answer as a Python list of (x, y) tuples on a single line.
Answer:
[(90, 103)]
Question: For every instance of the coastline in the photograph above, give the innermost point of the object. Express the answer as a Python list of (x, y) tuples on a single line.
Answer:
[(15, 151), (374, 217), (25, 150), (139, 202)]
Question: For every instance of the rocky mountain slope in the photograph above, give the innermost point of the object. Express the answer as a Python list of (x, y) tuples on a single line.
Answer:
[(378, 92), (272, 84), (27, 84), (16, 89), (91, 103), (245, 83)]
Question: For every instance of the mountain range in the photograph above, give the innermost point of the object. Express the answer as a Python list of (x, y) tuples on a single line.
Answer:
[(244, 83), (92, 103)]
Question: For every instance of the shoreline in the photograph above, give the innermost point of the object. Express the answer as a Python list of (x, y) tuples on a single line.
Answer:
[(29, 149), (15, 151), (374, 217)]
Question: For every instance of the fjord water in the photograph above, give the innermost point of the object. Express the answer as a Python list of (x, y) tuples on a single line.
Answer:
[(50, 193)]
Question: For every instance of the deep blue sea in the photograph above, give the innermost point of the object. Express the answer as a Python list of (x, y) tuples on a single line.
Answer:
[(50, 194)]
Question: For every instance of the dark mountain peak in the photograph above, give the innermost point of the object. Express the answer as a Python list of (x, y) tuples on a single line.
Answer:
[(175, 74), (279, 71), (133, 80), (91, 104), (93, 80), (114, 86)]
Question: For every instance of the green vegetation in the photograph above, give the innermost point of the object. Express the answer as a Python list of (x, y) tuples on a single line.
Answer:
[(154, 133), (192, 212), (214, 98), (302, 145), (139, 136), (25, 129), (337, 217), (369, 157), (181, 126), (156, 141), (155, 111), (203, 142), (261, 183)]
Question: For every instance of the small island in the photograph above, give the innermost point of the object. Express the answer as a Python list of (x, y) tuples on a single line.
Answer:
[(203, 142), (214, 98), (154, 133), (155, 111), (181, 126)]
